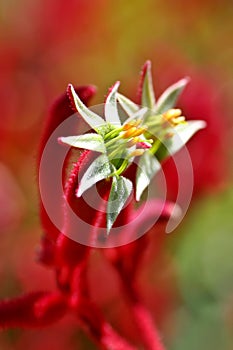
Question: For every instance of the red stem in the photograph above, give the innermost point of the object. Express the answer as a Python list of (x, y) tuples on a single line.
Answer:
[(99, 329), (91, 317), (147, 329)]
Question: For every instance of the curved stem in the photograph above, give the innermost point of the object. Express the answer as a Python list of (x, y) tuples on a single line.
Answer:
[(149, 334)]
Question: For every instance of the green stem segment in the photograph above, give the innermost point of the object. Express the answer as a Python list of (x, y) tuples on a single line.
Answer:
[(155, 147), (112, 134), (120, 170)]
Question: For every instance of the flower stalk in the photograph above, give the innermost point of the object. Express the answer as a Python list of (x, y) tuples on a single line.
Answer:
[(107, 161)]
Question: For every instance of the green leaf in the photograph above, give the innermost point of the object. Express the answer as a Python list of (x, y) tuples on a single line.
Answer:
[(120, 192), (168, 99), (182, 134), (93, 142), (110, 107), (148, 166), (129, 106), (92, 119), (148, 97), (100, 169)]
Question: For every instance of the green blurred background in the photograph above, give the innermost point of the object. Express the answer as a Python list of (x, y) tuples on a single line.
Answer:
[(45, 44)]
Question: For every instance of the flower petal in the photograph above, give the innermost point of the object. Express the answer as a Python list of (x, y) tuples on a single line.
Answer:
[(168, 99), (100, 169), (129, 106), (148, 166), (120, 192), (183, 133), (110, 107), (140, 114), (147, 94), (93, 119), (92, 142)]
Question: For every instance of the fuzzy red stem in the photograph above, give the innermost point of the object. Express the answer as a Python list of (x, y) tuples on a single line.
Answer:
[(149, 334), (99, 329), (127, 263), (75, 256), (32, 310), (58, 113)]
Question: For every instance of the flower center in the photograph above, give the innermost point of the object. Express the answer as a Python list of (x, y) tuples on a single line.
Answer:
[(134, 137)]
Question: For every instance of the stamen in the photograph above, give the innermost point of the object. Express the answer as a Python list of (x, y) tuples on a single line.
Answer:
[(112, 133), (178, 120), (172, 113), (129, 133), (112, 141), (133, 123), (139, 131)]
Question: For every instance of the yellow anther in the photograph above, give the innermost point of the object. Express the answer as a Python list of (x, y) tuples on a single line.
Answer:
[(136, 153), (131, 124), (174, 116), (129, 132), (139, 131), (172, 113), (127, 126), (178, 120)]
